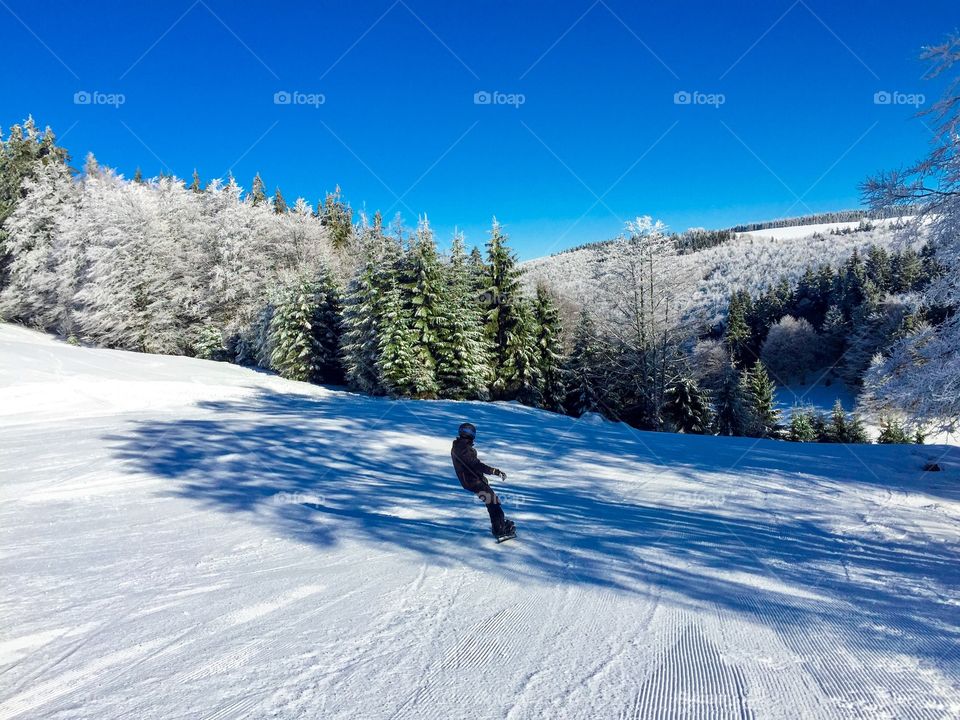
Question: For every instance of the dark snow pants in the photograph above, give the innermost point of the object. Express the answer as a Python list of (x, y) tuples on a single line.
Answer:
[(490, 499)]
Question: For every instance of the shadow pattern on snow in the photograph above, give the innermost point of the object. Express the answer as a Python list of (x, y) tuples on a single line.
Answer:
[(381, 472)]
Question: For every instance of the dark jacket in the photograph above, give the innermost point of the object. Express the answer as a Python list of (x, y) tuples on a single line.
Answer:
[(470, 469)]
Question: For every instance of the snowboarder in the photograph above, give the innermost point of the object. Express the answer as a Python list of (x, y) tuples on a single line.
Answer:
[(471, 470)]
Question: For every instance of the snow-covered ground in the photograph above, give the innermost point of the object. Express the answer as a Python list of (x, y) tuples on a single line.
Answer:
[(187, 539), (817, 395)]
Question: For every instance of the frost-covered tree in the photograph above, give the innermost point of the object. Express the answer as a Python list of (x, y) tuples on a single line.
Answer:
[(195, 183), (258, 193), (37, 293), (791, 349), (644, 321), (920, 375), (22, 154)]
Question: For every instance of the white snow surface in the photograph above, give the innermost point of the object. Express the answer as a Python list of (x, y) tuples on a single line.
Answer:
[(189, 539)]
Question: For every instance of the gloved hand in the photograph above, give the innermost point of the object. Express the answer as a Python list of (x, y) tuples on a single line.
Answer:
[(500, 473)]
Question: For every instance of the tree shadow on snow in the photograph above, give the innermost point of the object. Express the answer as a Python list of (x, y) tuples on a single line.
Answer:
[(337, 468)]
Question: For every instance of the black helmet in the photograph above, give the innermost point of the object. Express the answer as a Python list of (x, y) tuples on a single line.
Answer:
[(468, 431)]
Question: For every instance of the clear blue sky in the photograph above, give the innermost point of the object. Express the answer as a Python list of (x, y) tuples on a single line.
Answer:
[(598, 139)]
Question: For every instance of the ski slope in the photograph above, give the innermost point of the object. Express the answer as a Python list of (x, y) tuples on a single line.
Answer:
[(188, 539)]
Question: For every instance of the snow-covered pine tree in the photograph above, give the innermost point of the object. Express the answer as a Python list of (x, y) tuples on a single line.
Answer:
[(363, 307), (758, 390), (195, 183), (337, 216), (801, 426), (519, 377), (258, 194), (279, 204), (462, 352), (502, 318), (304, 332), (687, 407), (549, 350), (403, 367)]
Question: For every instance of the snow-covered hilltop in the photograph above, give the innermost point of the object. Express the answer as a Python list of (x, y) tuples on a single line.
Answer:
[(184, 538), (749, 261)]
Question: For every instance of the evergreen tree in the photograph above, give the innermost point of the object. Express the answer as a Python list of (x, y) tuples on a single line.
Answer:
[(548, 343), (737, 334), (687, 407), (586, 369), (195, 182), (837, 431), (258, 194), (731, 415), (403, 366), (363, 311), (892, 432), (801, 426), (520, 373), (304, 332), (759, 392), (338, 217), (138, 176), (508, 332), (279, 204), (463, 356)]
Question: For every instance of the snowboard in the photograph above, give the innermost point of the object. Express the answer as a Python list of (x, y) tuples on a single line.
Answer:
[(504, 538)]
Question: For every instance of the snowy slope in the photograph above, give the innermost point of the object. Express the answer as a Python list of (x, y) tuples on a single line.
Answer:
[(793, 232), (186, 539)]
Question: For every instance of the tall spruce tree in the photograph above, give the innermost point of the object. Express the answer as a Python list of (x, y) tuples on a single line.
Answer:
[(759, 389), (258, 193), (687, 408), (195, 182), (548, 345), (403, 366), (304, 332), (462, 353), (279, 204), (506, 328), (731, 415), (586, 369)]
